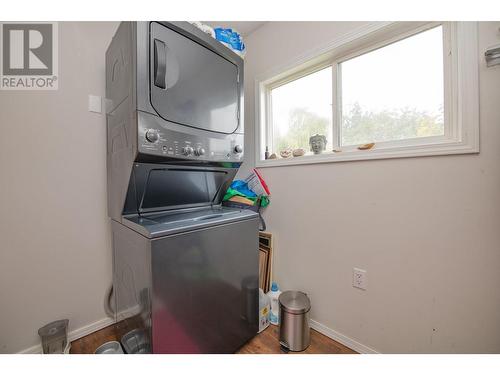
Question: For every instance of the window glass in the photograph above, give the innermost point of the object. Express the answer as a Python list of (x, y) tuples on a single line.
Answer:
[(300, 109), (395, 92)]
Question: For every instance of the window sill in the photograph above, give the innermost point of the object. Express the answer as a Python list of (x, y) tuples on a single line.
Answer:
[(444, 148)]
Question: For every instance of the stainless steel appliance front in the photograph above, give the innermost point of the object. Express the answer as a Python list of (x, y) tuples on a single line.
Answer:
[(190, 84), (185, 269), (192, 291)]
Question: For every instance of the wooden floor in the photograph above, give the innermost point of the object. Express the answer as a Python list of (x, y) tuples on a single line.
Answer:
[(267, 342), (264, 343), (88, 344)]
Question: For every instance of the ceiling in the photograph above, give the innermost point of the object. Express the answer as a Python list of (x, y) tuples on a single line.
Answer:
[(243, 27)]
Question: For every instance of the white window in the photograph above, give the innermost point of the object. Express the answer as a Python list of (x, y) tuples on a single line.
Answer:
[(409, 88)]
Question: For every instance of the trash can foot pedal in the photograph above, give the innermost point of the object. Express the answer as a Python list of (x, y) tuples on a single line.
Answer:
[(284, 348)]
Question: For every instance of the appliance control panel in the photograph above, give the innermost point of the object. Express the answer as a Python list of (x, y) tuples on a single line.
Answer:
[(177, 141)]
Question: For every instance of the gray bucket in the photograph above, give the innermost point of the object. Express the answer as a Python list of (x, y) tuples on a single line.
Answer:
[(110, 347), (136, 342)]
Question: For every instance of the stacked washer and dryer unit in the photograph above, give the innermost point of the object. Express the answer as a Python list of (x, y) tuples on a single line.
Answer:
[(185, 268)]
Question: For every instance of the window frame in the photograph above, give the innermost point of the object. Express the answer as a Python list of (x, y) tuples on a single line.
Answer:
[(461, 92)]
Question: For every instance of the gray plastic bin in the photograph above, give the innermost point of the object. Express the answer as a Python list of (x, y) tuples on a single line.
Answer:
[(136, 342), (54, 337)]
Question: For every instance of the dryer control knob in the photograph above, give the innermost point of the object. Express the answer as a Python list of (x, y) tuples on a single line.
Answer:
[(152, 136), (238, 149), (199, 151), (186, 151)]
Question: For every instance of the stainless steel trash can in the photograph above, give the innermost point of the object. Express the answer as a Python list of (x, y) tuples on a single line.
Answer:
[(294, 320)]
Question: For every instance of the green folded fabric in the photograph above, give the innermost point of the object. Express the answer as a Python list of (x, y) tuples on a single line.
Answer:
[(264, 200)]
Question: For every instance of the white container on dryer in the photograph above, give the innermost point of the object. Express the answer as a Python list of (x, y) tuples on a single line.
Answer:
[(274, 295)]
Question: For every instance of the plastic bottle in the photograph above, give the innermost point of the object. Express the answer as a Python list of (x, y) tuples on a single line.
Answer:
[(264, 310), (274, 294)]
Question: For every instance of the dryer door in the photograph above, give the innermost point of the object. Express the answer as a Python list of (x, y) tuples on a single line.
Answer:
[(191, 84)]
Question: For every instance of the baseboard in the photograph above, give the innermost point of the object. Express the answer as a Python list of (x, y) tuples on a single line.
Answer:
[(347, 341), (100, 324), (75, 334)]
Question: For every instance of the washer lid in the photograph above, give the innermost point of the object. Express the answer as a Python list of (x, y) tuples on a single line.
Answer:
[(294, 302), (167, 223)]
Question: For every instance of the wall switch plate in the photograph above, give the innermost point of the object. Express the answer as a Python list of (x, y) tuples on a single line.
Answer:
[(359, 278), (95, 104)]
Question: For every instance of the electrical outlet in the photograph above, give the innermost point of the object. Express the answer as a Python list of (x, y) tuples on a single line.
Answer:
[(359, 278)]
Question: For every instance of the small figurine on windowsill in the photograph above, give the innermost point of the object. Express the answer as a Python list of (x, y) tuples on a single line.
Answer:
[(317, 143), (298, 152), (286, 153)]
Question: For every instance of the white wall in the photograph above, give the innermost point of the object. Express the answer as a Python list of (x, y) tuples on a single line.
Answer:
[(427, 230), (55, 243)]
